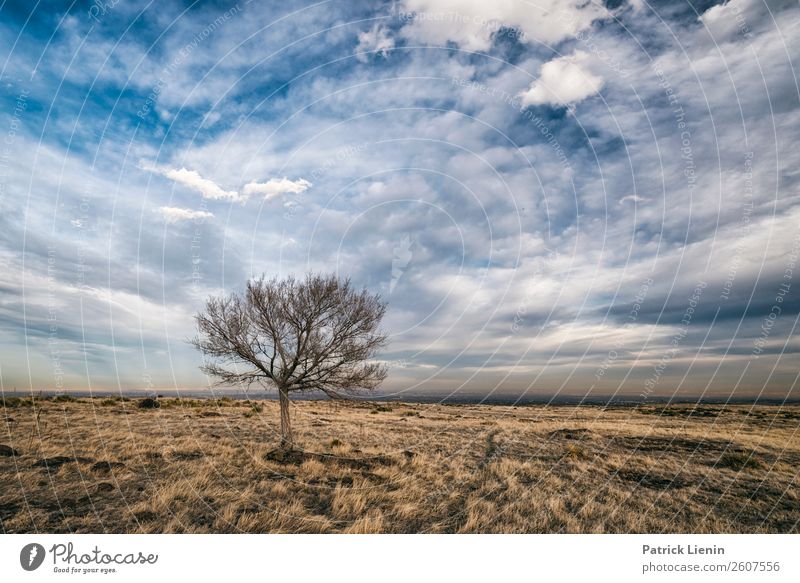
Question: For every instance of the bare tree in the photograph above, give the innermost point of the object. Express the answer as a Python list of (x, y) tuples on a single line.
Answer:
[(317, 333)]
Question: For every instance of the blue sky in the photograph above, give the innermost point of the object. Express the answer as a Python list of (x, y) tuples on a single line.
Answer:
[(554, 197)]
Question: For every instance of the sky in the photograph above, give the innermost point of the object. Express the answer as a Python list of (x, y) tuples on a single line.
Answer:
[(555, 197)]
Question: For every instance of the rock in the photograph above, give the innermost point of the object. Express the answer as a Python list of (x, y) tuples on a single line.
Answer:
[(8, 451)]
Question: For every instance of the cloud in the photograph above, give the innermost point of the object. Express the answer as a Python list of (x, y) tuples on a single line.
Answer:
[(726, 20), (563, 81), (276, 187), (192, 179), (632, 198), (208, 188), (472, 24), (375, 40), (272, 188), (175, 215)]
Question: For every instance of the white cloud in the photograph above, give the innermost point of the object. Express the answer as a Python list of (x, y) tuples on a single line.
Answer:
[(174, 214), (208, 188), (276, 187), (563, 81), (270, 189), (723, 21), (471, 23), (376, 39), (632, 198)]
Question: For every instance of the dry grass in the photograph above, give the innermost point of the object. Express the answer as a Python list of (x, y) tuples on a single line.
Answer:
[(105, 465)]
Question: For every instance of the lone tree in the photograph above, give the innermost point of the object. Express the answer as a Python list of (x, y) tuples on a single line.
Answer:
[(316, 333)]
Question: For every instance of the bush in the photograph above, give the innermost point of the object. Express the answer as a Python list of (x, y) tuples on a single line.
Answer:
[(149, 403), (64, 399), (14, 402)]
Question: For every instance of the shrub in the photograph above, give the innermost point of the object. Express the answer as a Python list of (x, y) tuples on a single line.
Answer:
[(14, 402), (149, 403), (64, 399)]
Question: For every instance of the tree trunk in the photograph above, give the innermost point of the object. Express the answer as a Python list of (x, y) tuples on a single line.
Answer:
[(287, 441)]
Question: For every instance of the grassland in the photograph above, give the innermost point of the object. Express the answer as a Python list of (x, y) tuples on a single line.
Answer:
[(106, 465)]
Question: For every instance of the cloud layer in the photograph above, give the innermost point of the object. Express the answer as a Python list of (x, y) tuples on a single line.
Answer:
[(538, 189)]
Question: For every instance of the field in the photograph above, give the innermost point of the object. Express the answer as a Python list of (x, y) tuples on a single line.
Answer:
[(107, 465)]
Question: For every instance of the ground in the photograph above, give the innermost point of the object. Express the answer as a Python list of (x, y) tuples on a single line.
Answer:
[(107, 465)]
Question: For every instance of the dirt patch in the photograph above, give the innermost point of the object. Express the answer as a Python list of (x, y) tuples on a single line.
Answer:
[(279, 475), (373, 477), (360, 463), (672, 444), (67, 506), (345, 481), (283, 456), (8, 511), (187, 455), (297, 457), (737, 461), (145, 516), (580, 434), (104, 466), (652, 481), (53, 463)]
